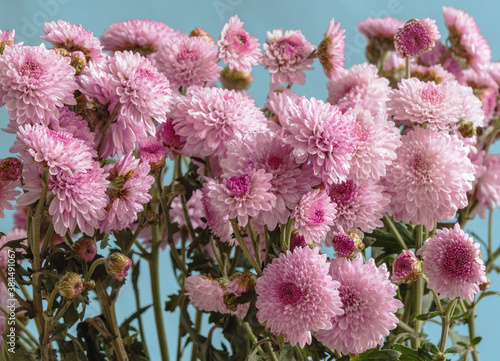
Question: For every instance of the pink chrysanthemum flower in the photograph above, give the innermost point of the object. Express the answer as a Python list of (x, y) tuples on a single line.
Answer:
[(242, 197), (289, 180), (435, 73), (73, 38), (360, 205), (6, 39), (346, 245), (472, 108), (218, 224), (205, 294), (359, 85), (430, 178), (319, 132), (151, 151), (467, 43), (453, 264), (8, 194), (376, 144), (94, 83), (80, 199), (237, 48), (377, 29), (34, 82), (416, 37), (484, 87), (53, 150), (406, 267), (69, 121), (277, 105), (488, 185), (209, 118), (438, 105), (369, 305), (11, 169), (313, 215), (331, 51), (296, 296), (286, 56), (128, 191), (189, 61), (140, 36), (15, 234), (144, 92), (172, 142)]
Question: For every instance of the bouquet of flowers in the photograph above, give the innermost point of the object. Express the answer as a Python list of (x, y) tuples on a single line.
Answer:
[(307, 229)]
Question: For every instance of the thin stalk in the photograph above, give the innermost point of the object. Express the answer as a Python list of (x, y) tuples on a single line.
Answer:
[(490, 233), (245, 249), (405, 327), (20, 325), (47, 239), (255, 340), (407, 70), (255, 241), (139, 319), (221, 265), (197, 327), (418, 290), (445, 328), (395, 232), (187, 218), (471, 323)]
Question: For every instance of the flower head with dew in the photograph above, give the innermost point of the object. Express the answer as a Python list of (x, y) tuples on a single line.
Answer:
[(296, 296)]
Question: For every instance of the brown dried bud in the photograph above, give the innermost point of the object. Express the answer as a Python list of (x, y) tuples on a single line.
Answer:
[(200, 33), (235, 80)]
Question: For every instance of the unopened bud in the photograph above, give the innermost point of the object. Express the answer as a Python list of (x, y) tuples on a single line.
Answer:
[(10, 169), (117, 266), (200, 33), (406, 267), (6, 39), (89, 285), (78, 61), (467, 129), (243, 283), (235, 80), (84, 249), (440, 357), (484, 286), (347, 245), (70, 285), (151, 151), (61, 51), (152, 218), (230, 301), (297, 240)]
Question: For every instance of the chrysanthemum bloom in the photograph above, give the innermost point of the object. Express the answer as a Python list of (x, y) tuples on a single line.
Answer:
[(80, 199), (242, 197), (34, 82), (298, 240), (140, 36), (277, 105), (266, 150), (467, 43), (313, 215), (359, 85), (453, 264), (435, 73), (484, 87), (237, 48), (10, 169), (375, 146), (151, 151), (205, 294), (144, 92), (8, 194), (430, 178), (319, 132), (189, 61), (359, 204), (95, 81), (472, 108), (380, 35), (84, 249), (369, 305), (218, 224), (73, 38), (416, 101), (69, 121), (128, 191), (117, 266), (416, 37), (6, 39), (56, 151), (488, 185), (406, 267), (209, 118), (15, 234), (297, 296), (346, 245), (286, 56), (236, 288), (331, 51), (171, 140)]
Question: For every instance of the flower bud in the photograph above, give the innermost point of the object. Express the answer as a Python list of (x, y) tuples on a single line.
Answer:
[(406, 267), (235, 80), (78, 61), (10, 169), (89, 285), (70, 285), (484, 286), (6, 39), (200, 33), (151, 151), (152, 218), (230, 301), (243, 283), (298, 240), (467, 129), (347, 245), (117, 266), (84, 249)]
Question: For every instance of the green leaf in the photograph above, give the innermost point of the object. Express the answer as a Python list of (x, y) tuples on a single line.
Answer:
[(454, 349), (407, 354), (378, 355), (135, 315), (490, 293), (173, 302), (430, 347), (287, 353), (463, 316), (426, 316), (476, 340)]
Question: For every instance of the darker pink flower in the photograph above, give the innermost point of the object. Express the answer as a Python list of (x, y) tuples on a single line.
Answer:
[(416, 37), (406, 267)]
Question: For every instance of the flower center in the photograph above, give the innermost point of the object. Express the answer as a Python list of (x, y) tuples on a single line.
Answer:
[(290, 47), (187, 55), (31, 69), (431, 94), (274, 162), (290, 294), (352, 303), (317, 215), (343, 193), (239, 186), (420, 169), (458, 261)]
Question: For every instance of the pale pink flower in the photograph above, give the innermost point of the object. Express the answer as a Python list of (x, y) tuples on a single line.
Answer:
[(369, 306), (286, 56), (453, 264), (122, 138), (430, 178), (331, 51), (277, 103), (189, 61), (34, 82), (435, 73), (94, 83), (205, 294), (319, 133), (73, 38), (313, 215), (406, 267), (172, 142), (6, 39), (237, 48), (296, 296), (218, 223), (472, 108), (416, 37), (128, 192), (380, 28), (484, 88), (488, 185), (69, 121)]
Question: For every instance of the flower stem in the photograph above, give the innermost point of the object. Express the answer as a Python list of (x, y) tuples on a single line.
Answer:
[(408, 71), (450, 308), (245, 249), (395, 232), (418, 290), (471, 323)]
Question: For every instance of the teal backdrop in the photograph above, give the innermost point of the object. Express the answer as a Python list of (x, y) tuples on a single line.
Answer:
[(312, 18)]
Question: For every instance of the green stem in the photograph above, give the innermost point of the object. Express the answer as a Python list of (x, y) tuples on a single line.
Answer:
[(408, 71), (445, 328), (245, 249), (20, 325), (418, 291), (255, 340), (471, 323), (490, 233), (255, 242), (197, 327), (187, 218), (139, 319), (221, 265), (395, 232), (94, 265)]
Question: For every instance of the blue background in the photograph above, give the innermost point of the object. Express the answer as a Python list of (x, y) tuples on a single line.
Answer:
[(312, 18)]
